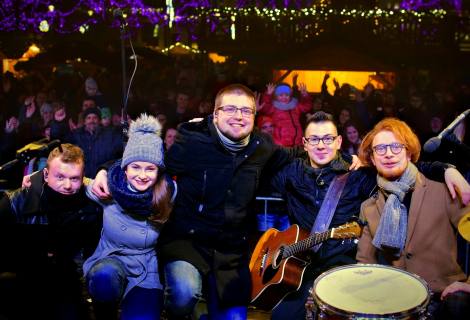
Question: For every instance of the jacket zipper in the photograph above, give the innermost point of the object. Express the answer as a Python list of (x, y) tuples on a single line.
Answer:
[(203, 189), (293, 124)]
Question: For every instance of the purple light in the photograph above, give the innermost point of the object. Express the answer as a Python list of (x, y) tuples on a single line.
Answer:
[(427, 4)]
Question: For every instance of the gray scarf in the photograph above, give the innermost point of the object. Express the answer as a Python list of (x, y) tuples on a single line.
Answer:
[(286, 107), (233, 147), (392, 228)]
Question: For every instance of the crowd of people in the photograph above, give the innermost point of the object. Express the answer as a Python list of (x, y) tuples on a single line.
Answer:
[(165, 220)]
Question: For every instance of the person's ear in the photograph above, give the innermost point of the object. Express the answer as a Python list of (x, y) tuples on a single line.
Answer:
[(46, 175), (340, 140), (372, 159)]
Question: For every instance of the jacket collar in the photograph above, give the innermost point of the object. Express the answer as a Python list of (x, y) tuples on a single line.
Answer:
[(336, 166)]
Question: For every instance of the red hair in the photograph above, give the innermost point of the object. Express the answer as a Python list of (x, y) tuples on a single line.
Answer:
[(403, 133)]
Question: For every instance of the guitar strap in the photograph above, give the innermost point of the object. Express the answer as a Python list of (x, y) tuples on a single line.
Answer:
[(328, 207)]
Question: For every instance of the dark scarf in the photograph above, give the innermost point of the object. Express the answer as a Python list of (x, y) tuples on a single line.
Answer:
[(135, 202), (62, 203)]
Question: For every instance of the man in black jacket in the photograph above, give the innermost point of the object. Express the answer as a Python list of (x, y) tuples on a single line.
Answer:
[(304, 185), (42, 229)]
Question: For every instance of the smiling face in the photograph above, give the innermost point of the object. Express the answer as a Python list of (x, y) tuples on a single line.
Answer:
[(141, 175), (65, 178), (169, 137), (321, 154), (47, 116), (344, 116), (390, 166), (91, 122), (236, 127), (352, 134), (267, 127), (283, 98)]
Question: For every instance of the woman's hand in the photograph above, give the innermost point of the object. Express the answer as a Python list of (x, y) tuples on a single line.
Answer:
[(100, 185), (30, 110), (303, 88), (257, 97)]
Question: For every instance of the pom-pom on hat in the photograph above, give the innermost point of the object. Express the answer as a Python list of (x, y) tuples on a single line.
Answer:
[(282, 88), (90, 83), (144, 142), (105, 112), (263, 119)]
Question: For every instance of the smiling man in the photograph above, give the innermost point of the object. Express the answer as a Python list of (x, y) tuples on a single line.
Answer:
[(42, 229), (413, 221), (304, 185)]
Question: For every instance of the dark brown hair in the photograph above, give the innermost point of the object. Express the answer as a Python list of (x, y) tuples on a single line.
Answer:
[(162, 194)]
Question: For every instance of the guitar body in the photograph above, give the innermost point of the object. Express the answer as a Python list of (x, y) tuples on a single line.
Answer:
[(272, 281)]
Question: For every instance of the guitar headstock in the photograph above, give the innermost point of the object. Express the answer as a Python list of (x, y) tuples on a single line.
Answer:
[(348, 230)]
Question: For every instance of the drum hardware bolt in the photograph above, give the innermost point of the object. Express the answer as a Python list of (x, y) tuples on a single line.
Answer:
[(353, 233), (346, 234)]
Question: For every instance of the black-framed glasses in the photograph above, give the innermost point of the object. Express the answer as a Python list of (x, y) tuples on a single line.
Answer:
[(381, 149), (313, 141), (232, 110)]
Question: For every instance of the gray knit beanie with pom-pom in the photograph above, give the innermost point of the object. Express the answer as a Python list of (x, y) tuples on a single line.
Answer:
[(144, 142)]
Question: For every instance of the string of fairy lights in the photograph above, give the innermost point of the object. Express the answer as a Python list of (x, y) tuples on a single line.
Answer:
[(42, 16)]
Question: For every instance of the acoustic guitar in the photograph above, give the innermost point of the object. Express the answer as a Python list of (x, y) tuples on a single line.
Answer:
[(280, 258)]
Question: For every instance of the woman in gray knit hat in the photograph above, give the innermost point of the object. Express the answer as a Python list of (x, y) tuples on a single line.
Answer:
[(124, 269)]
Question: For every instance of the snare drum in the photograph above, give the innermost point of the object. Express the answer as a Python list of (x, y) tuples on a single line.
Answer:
[(368, 291)]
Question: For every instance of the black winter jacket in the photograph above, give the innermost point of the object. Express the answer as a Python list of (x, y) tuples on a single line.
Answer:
[(31, 228), (209, 223)]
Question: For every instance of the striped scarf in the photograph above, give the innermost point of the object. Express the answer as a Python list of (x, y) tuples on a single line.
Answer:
[(233, 147)]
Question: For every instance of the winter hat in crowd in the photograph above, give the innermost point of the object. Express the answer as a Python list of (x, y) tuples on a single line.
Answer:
[(91, 84), (282, 88), (144, 142), (44, 108), (92, 111), (105, 112), (263, 119)]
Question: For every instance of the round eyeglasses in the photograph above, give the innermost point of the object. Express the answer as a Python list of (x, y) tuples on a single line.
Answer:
[(313, 141), (232, 110), (381, 149)]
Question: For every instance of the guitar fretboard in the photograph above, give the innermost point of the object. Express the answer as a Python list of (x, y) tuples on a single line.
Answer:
[(305, 244)]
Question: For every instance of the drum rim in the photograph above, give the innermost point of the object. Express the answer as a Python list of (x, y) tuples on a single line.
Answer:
[(341, 312)]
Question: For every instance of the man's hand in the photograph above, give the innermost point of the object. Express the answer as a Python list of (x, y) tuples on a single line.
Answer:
[(100, 185), (356, 163), (196, 120), (72, 125), (295, 76), (303, 88), (257, 97), (30, 110), (271, 87), (454, 180), (60, 115), (327, 76), (27, 181), (454, 287), (336, 83), (29, 100)]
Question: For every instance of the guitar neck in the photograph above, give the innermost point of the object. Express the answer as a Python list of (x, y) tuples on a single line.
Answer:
[(306, 244)]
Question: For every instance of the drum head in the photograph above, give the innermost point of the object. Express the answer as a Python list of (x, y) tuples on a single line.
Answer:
[(371, 289)]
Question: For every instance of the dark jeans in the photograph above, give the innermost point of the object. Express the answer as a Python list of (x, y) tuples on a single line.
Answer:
[(455, 306), (293, 306), (184, 288), (48, 294), (106, 283)]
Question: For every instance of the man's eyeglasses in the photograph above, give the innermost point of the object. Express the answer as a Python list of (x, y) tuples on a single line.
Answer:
[(381, 149), (313, 141), (232, 110)]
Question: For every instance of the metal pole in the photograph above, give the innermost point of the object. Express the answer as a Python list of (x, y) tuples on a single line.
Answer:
[(124, 123)]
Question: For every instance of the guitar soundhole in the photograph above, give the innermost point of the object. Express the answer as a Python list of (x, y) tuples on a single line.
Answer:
[(272, 269)]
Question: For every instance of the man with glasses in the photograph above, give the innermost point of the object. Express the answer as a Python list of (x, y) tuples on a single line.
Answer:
[(203, 249), (304, 185), (413, 221)]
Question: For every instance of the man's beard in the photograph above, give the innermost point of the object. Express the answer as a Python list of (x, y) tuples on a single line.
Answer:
[(391, 175)]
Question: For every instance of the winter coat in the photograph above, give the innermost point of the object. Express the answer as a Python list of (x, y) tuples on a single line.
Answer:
[(31, 228), (98, 148), (287, 129), (209, 224), (431, 247), (130, 240), (301, 187)]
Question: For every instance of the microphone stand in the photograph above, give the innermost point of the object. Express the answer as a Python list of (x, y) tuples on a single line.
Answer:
[(124, 123)]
